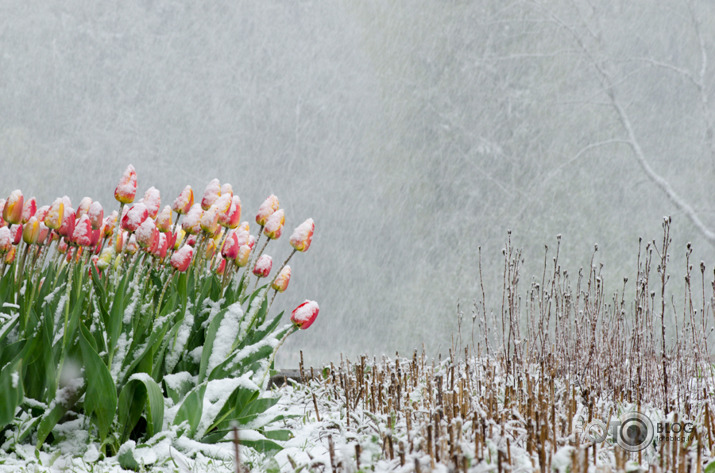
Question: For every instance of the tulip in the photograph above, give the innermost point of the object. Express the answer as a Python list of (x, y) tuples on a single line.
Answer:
[(192, 222), (96, 234), (280, 284), (10, 256), (82, 234), (119, 242), (231, 218), (182, 258), (268, 206), (106, 258), (68, 222), (263, 266), (302, 236), (191, 240), (83, 207), (274, 225), (221, 267), (55, 215), (184, 202), (134, 217), (226, 188), (147, 234), (210, 249), (209, 221), (152, 200), (131, 245), (16, 231), (42, 213), (304, 315), (230, 246), (31, 231), (109, 223), (126, 190), (2, 207), (44, 233), (211, 193), (178, 238), (163, 220), (243, 255), (29, 209), (162, 246), (62, 246), (223, 203), (96, 215), (5, 240), (12, 212), (251, 241)]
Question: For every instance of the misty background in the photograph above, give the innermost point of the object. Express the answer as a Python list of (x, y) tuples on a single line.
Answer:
[(412, 132)]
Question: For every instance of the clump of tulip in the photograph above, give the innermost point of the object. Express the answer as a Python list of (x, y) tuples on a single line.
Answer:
[(150, 285)]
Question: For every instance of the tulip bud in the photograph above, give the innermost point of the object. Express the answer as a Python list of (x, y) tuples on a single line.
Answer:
[(223, 203), (182, 258), (302, 236), (147, 234), (226, 188), (29, 209), (274, 225), (243, 255), (230, 246), (131, 245), (42, 213), (62, 246), (221, 267), (135, 216), (163, 220), (127, 188), (68, 223), (304, 315), (42, 238), (5, 240), (109, 223), (162, 246), (106, 258), (152, 200), (83, 207), (16, 231), (231, 218), (192, 222), (282, 280), (179, 238), (191, 240), (268, 206), (119, 241), (209, 221), (184, 202), (10, 256), (210, 249), (96, 214), (82, 234), (12, 213), (31, 231), (55, 215), (211, 193), (263, 266)]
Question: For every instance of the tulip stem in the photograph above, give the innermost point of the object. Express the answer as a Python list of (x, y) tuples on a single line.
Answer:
[(290, 331)]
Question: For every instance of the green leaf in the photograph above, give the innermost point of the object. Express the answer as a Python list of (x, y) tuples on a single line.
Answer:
[(191, 409), (139, 393), (209, 342), (11, 389), (101, 399), (282, 435), (710, 468), (57, 411)]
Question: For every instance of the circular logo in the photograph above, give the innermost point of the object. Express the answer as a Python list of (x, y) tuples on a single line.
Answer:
[(635, 432), (596, 431)]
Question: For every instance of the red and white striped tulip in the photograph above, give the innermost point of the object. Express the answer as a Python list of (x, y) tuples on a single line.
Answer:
[(152, 200), (192, 222), (304, 315), (302, 236), (134, 217), (274, 224), (147, 234), (96, 215), (231, 218), (209, 221), (126, 190), (211, 193), (5, 240), (68, 223), (83, 207), (29, 209), (266, 209), (230, 246), (263, 266), (182, 258), (184, 202), (281, 282), (82, 234), (55, 215), (243, 255), (163, 220), (12, 212)]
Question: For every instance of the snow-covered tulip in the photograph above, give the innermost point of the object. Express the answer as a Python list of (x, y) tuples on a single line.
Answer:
[(131, 246), (152, 200), (231, 218), (243, 255), (106, 258), (82, 234), (134, 217), (211, 193), (230, 246), (184, 202), (109, 223), (192, 222), (178, 238), (62, 246), (182, 258), (274, 224), (126, 190), (223, 203), (96, 215), (226, 188), (2, 207), (191, 240), (210, 249), (147, 234), (267, 208), (83, 207), (12, 212), (10, 255), (16, 231), (119, 241), (5, 240), (42, 212), (221, 268), (163, 220), (44, 233), (302, 236), (55, 215), (263, 266), (304, 315), (162, 245), (31, 231), (68, 223), (29, 209), (209, 221), (281, 282)]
